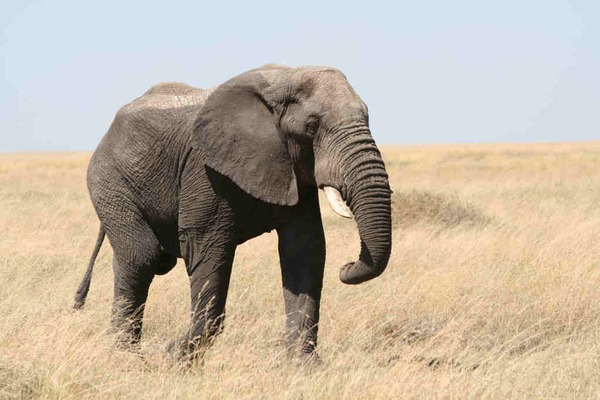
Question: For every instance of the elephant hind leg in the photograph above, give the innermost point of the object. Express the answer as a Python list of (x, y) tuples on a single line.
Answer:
[(131, 286), (137, 256)]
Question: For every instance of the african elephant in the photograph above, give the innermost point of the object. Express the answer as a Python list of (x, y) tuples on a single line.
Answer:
[(189, 173)]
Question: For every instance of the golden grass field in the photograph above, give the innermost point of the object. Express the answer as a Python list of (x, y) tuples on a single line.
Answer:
[(492, 290)]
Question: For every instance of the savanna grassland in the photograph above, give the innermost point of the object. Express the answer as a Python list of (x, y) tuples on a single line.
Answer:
[(492, 290)]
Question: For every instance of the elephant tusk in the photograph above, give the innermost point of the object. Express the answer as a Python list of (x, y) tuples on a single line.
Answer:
[(337, 204)]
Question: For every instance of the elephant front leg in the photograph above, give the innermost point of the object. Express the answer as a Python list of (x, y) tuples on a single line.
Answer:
[(302, 258), (208, 258)]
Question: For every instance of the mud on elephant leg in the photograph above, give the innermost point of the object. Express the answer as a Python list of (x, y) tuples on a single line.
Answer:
[(209, 258)]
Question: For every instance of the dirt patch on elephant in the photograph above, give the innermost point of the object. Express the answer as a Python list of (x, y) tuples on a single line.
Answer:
[(446, 211)]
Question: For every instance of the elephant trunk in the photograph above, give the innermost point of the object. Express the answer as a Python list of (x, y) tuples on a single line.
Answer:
[(367, 192)]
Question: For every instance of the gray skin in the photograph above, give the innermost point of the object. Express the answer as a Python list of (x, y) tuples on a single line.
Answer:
[(191, 173)]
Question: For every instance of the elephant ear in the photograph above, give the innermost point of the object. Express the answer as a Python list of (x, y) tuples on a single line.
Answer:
[(238, 133)]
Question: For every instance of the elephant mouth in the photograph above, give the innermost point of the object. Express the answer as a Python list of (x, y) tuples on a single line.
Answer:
[(336, 202)]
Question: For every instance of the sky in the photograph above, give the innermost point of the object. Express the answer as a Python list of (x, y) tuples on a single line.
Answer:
[(430, 71)]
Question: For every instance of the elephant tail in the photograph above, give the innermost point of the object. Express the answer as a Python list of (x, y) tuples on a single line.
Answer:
[(84, 286)]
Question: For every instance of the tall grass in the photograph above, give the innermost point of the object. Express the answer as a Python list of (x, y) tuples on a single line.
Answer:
[(492, 290)]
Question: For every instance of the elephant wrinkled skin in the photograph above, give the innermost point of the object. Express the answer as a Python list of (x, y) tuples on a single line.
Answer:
[(189, 173)]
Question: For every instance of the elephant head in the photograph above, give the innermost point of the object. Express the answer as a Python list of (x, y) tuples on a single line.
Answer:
[(276, 131)]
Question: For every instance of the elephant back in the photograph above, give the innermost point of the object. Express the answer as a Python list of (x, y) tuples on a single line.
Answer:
[(168, 95)]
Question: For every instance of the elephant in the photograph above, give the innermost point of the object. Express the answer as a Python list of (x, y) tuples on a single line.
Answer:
[(190, 173)]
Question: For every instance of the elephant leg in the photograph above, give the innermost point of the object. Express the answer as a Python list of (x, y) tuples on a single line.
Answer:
[(302, 259), (131, 286), (208, 257), (137, 255)]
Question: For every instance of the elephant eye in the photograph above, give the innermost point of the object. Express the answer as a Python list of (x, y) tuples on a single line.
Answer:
[(312, 126)]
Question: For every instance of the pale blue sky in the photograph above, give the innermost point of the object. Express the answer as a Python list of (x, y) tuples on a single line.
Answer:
[(430, 71)]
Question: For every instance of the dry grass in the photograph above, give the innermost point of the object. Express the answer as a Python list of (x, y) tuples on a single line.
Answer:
[(447, 211), (492, 291)]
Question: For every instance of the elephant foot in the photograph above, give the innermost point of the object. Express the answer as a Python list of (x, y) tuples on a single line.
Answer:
[(187, 351), (122, 344), (305, 357), (308, 362), (127, 340)]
